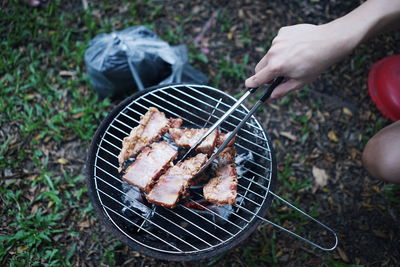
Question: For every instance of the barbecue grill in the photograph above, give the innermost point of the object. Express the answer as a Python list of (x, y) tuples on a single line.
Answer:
[(194, 229)]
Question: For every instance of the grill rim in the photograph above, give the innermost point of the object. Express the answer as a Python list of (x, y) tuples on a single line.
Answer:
[(90, 182)]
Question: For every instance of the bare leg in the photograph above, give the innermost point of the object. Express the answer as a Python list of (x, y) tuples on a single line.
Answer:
[(381, 156)]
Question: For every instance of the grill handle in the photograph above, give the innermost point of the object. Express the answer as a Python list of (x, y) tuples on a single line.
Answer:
[(298, 236)]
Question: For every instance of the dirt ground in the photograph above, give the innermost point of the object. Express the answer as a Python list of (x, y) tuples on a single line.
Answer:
[(340, 119), (322, 128)]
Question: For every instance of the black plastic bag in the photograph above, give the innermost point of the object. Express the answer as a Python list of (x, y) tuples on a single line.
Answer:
[(135, 58)]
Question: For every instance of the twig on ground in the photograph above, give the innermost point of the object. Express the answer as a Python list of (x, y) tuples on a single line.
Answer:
[(199, 38)]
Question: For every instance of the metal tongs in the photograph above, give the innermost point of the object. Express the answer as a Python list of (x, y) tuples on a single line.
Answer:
[(249, 91)]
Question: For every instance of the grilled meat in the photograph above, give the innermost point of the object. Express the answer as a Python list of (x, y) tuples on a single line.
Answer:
[(175, 122), (186, 138), (175, 182), (151, 127), (149, 165), (222, 189), (222, 137)]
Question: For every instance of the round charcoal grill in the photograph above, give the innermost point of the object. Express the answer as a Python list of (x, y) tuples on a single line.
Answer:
[(192, 230)]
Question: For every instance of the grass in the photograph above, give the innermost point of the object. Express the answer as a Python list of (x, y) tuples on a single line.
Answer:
[(231, 69), (40, 111), (46, 102)]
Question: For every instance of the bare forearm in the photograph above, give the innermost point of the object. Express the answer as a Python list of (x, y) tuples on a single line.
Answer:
[(301, 52), (369, 19)]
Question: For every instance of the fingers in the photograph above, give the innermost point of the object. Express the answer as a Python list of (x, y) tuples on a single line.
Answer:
[(263, 76), (286, 87), (263, 62)]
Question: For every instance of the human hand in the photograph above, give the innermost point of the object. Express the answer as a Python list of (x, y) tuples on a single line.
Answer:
[(300, 53)]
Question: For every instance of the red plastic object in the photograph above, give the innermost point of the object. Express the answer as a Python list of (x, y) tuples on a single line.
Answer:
[(384, 86)]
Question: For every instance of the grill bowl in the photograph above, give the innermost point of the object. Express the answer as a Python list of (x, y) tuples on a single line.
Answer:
[(182, 233)]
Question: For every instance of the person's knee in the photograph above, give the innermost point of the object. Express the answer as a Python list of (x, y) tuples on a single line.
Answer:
[(381, 156)]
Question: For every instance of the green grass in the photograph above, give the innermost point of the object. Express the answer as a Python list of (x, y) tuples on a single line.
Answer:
[(234, 70), (40, 111), (392, 193), (43, 198), (46, 101)]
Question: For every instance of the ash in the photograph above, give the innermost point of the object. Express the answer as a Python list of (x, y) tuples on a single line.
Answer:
[(240, 161), (133, 200)]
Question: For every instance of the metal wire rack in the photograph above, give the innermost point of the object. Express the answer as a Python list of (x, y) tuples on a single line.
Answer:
[(182, 231)]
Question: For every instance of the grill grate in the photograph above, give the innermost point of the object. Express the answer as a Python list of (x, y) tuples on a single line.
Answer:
[(185, 230)]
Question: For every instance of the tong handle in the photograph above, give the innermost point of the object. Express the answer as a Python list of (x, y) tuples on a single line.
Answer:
[(271, 88)]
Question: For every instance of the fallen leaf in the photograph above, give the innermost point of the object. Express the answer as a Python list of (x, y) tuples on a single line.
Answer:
[(84, 224), (34, 209), (382, 207), (241, 14), (380, 234), (331, 201), (320, 117), (67, 73), (276, 107), (343, 255), (283, 209), (37, 137), (332, 136), (367, 205), (279, 253), (78, 115), (353, 153), (62, 161), (375, 188), (321, 177), (309, 114), (347, 112), (29, 96), (288, 135), (329, 158), (32, 178), (22, 249)]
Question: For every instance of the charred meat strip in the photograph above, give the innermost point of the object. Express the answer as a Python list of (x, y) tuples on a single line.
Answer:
[(222, 137), (175, 122), (151, 127), (203, 178), (186, 138), (149, 165), (222, 189), (175, 181)]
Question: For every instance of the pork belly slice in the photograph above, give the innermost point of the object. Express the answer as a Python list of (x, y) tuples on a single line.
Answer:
[(186, 138), (152, 126), (176, 181), (222, 137), (222, 189), (149, 165), (175, 122)]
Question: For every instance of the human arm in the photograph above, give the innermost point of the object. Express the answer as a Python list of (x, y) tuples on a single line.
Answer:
[(301, 52)]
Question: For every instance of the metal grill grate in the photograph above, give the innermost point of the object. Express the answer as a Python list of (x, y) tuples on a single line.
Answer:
[(185, 230)]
